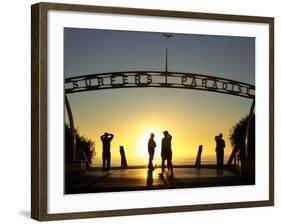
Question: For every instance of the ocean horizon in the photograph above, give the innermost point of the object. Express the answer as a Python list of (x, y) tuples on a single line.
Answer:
[(156, 162)]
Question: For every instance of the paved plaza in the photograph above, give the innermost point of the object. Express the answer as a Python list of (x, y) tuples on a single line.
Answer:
[(96, 180)]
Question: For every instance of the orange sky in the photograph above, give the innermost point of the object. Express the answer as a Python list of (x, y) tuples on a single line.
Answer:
[(191, 117)]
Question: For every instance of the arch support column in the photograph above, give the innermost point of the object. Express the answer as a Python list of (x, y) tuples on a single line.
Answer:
[(248, 129), (247, 165), (71, 123)]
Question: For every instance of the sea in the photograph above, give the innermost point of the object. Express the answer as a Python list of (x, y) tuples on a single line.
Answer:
[(97, 162)]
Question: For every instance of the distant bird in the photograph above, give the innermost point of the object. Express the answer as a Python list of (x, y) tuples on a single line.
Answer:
[(167, 35)]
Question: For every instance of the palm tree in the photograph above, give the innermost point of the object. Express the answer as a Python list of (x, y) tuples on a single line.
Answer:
[(85, 147), (238, 135)]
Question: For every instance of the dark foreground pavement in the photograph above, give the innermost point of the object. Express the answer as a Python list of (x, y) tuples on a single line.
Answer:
[(95, 180)]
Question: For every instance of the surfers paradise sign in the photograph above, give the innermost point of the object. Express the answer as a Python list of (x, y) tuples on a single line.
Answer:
[(158, 79)]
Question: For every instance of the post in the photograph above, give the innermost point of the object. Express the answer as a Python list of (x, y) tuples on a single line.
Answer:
[(166, 62), (168, 36), (198, 158), (123, 158)]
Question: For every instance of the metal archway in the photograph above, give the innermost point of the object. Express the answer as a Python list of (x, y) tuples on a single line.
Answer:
[(157, 79)]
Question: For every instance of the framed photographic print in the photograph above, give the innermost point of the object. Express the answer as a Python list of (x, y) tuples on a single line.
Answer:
[(138, 111)]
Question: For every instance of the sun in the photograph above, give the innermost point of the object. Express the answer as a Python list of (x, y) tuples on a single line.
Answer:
[(142, 150)]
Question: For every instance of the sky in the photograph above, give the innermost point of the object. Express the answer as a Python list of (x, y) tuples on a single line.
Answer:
[(192, 117)]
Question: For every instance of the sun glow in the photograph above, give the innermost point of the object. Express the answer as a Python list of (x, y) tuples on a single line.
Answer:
[(142, 150)]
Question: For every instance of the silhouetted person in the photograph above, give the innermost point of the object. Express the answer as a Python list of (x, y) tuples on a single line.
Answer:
[(166, 152), (151, 150), (106, 139), (123, 157), (220, 145)]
